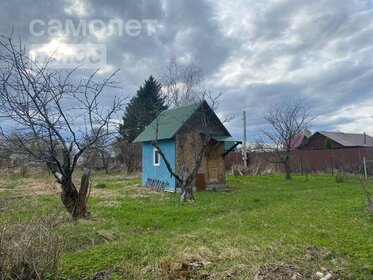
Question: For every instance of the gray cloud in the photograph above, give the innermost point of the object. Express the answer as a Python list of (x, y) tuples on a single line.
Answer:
[(257, 52), (317, 50)]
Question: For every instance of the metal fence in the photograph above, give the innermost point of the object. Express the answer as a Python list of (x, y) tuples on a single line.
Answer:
[(328, 161)]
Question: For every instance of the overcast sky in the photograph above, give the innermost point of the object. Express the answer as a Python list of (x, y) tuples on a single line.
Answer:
[(257, 53)]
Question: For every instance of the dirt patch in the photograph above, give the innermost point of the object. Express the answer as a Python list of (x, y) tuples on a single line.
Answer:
[(102, 275), (201, 262), (294, 271), (190, 265), (321, 257), (317, 260)]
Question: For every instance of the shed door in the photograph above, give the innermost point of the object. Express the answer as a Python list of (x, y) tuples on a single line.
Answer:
[(200, 182), (213, 169)]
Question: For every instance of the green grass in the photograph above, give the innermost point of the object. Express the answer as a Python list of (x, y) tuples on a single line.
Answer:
[(137, 234)]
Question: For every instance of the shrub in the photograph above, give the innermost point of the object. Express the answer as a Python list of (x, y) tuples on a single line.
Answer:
[(340, 177), (101, 186), (29, 250)]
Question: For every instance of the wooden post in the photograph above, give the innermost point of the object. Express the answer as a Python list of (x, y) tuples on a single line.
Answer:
[(365, 168), (244, 141)]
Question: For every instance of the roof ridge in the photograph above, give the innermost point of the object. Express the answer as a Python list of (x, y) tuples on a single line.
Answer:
[(168, 123), (344, 133), (181, 107)]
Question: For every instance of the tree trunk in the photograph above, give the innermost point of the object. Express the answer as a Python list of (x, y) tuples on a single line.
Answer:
[(81, 209), (105, 162), (76, 202), (286, 163), (186, 188), (106, 167), (186, 193), (287, 171), (69, 196)]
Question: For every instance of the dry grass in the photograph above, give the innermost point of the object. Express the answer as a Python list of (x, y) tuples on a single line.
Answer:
[(38, 187), (30, 250)]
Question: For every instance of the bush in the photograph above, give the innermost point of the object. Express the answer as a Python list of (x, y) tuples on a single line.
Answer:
[(29, 250), (340, 177), (101, 186)]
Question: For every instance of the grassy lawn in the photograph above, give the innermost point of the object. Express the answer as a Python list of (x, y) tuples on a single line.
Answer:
[(264, 227)]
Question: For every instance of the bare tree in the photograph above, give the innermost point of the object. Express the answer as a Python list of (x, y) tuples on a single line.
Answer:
[(100, 152), (52, 115), (182, 83), (18, 159), (128, 154), (285, 122)]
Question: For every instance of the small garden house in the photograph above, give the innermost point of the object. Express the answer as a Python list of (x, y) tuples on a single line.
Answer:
[(178, 134)]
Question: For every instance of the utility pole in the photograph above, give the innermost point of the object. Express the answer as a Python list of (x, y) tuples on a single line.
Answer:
[(244, 141)]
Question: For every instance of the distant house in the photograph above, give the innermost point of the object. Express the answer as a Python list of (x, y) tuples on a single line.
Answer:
[(337, 140), (297, 141), (176, 132)]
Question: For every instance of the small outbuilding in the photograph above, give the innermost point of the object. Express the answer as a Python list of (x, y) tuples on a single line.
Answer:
[(177, 132), (336, 140)]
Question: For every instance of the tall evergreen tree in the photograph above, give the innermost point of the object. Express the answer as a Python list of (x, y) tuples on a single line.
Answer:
[(142, 109)]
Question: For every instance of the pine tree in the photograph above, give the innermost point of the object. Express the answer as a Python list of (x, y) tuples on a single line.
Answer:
[(328, 144), (142, 109)]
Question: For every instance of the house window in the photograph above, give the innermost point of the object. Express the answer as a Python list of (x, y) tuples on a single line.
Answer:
[(156, 159)]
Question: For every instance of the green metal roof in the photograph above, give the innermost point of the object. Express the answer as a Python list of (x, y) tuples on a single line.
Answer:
[(223, 138), (229, 141), (168, 123)]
